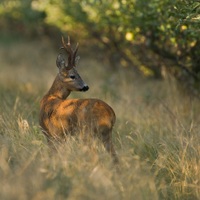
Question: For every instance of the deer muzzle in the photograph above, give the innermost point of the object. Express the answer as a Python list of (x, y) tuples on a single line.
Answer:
[(85, 88)]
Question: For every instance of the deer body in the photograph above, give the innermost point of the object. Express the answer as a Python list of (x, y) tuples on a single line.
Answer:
[(60, 116)]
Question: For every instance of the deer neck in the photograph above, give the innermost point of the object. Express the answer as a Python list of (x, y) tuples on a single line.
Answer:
[(58, 90)]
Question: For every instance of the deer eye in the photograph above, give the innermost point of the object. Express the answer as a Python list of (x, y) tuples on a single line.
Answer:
[(72, 77)]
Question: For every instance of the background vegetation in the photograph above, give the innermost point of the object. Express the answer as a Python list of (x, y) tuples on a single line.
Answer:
[(144, 60), (126, 30)]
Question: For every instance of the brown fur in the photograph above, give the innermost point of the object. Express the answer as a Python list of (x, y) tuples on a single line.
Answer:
[(60, 117)]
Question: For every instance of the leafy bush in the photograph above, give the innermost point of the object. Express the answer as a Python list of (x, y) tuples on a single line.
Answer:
[(19, 16), (168, 28), (171, 28), (149, 36)]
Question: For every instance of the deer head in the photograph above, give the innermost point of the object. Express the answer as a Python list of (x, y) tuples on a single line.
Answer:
[(67, 72)]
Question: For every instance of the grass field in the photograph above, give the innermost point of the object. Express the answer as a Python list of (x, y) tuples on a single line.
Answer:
[(156, 135)]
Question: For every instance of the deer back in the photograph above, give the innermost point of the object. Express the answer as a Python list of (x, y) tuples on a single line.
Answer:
[(60, 117)]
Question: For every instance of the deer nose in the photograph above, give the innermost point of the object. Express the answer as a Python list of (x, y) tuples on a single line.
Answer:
[(85, 88)]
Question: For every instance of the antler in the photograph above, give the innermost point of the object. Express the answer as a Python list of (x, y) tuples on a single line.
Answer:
[(71, 53)]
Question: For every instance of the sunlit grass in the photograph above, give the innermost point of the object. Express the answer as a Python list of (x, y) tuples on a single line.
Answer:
[(156, 135)]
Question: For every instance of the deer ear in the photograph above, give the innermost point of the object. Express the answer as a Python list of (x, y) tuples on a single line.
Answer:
[(77, 60), (60, 61)]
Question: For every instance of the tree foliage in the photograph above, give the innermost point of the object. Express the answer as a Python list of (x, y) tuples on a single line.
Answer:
[(138, 33)]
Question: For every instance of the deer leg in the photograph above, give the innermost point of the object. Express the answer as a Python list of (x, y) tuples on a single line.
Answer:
[(54, 143), (51, 144), (107, 142)]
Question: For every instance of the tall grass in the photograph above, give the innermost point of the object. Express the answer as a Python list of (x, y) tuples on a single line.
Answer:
[(156, 134)]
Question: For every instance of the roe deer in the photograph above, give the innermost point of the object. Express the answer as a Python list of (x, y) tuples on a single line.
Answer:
[(60, 116)]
